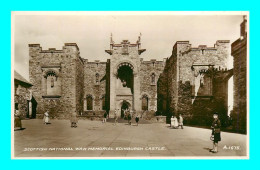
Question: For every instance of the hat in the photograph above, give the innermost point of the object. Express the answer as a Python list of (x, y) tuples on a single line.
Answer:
[(216, 113)]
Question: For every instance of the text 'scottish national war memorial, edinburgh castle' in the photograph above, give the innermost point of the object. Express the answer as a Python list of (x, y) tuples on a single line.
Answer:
[(193, 81)]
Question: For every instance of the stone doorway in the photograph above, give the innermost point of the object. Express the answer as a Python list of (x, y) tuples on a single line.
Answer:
[(125, 107)]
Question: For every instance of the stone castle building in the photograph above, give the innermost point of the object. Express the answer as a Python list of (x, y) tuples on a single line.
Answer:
[(239, 52), (193, 81), (65, 83)]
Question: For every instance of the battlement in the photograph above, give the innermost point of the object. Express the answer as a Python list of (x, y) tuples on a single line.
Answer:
[(54, 50), (202, 47), (151, 61)]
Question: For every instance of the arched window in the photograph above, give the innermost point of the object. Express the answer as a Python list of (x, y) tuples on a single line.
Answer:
[(144, 102), (89, 103), (153, 79), (51, 82)]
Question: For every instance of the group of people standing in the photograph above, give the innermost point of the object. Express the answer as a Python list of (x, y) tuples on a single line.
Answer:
[(127, 114), (175, 123)]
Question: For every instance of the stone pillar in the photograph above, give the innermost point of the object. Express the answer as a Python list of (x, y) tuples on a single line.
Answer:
[(112, 94), (30, 109), (85, 104), (136, 99)]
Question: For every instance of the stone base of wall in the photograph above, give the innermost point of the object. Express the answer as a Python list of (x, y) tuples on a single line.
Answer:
[(148, 115)]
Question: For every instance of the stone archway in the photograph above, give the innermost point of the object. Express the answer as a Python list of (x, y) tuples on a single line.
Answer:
[(125, 106), (125, 75)]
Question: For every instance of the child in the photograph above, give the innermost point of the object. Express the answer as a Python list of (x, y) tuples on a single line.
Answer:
[(215, 132), (105, 117)]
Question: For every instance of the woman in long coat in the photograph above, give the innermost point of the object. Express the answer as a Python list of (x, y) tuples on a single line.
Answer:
[(172, 121), (46, 118), (17, 121), (175, 122), (181, 121)]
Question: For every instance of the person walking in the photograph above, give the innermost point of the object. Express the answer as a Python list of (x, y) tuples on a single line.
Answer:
[(46, 118), (181, 121), (105, 117), (129, 117), (74, 120), (137, 119), (215, 135), (116, 117)]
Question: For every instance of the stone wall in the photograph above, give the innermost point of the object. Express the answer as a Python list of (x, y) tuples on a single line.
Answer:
[(64, 64), (21, 98), (204, 107), (147, 87), (93, 87)]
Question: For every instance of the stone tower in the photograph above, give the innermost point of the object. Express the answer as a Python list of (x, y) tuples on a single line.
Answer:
[(57, 79), (124, 75)]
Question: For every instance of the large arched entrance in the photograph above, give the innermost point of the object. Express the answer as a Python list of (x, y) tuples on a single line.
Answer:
[(124, 86), (125, 75)]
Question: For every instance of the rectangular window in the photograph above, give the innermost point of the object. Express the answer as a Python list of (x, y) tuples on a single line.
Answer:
[(16, 106)]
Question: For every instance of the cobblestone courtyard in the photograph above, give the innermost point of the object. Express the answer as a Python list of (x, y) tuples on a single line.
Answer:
[(145, 140)]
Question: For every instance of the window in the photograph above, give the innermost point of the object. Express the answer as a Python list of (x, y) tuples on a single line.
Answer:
[(144, 102), (89, 103), (51, 82), (16, 106)]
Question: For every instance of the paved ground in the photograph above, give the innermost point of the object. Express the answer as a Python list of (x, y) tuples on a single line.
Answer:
[(102, 140)]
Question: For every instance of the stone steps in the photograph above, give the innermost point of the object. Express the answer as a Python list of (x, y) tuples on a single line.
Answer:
[(121, 120)]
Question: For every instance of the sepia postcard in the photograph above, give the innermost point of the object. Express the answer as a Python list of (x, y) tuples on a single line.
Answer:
[(130, 85)]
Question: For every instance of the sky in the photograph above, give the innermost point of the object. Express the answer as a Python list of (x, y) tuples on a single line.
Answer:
[(92, 33)]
